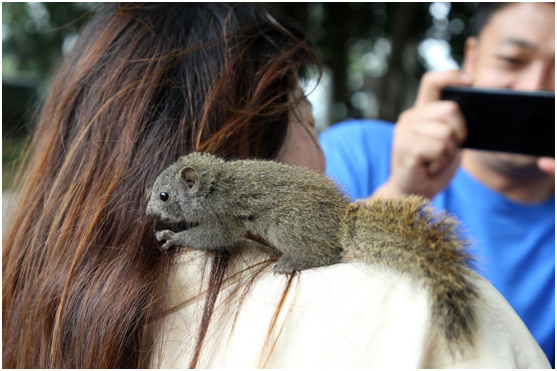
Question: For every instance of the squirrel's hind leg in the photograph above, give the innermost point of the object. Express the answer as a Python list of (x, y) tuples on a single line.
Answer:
[(288, 264)]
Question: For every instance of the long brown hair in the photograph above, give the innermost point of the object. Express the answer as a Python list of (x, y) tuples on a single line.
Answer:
[(82, 274)]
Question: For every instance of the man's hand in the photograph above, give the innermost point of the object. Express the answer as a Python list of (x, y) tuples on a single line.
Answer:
[(426, 141)]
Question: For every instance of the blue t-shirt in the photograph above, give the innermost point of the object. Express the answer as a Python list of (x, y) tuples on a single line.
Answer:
[(514, 243)]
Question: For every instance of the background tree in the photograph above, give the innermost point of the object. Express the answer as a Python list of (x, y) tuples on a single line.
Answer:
[(374, 47)]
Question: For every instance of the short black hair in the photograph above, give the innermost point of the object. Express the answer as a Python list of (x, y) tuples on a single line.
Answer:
[(483, 15)]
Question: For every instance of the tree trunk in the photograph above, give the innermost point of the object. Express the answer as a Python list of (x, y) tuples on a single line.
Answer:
[(394, 83)]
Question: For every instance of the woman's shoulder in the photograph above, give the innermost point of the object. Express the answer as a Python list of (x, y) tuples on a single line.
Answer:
[(362, 315), (354, 295), (330, 316), (347, 315), (354, 315)]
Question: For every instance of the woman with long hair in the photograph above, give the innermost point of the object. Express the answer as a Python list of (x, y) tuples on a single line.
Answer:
[(85, 283)]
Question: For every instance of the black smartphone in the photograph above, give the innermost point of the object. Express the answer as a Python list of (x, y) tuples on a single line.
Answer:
[(507, 120)]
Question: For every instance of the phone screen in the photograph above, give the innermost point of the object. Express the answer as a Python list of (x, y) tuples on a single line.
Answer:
[(507, 120)]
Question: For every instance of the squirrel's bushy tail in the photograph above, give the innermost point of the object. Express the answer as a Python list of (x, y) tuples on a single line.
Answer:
[(406, 235)]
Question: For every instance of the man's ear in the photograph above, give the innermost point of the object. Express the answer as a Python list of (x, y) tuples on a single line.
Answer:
[(470, 55), (191, 177)]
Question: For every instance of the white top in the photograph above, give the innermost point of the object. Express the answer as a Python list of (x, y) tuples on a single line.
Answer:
[(350, 315)]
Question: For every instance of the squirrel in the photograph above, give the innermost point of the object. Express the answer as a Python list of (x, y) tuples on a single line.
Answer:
[(305, 216)]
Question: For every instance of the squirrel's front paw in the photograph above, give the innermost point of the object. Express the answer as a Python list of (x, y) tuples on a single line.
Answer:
[(169, 237), (164, 235)]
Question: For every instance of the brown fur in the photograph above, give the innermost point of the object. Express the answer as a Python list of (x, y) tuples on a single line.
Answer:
[(306, 218), (406, 235)]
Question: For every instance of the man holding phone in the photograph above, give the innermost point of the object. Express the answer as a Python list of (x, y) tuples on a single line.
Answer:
[(505, 201)]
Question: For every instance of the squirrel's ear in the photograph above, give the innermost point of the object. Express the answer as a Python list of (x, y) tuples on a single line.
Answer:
[(191, 176)]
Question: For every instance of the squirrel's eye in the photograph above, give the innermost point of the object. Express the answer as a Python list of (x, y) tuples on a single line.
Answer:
[(164, 196)]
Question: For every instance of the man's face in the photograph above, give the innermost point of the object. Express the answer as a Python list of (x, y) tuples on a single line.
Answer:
[(515, 50)]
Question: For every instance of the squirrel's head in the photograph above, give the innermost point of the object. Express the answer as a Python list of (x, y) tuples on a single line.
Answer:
[(180, 192)]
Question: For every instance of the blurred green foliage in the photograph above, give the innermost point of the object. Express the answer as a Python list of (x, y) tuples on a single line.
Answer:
[(34, 35)]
